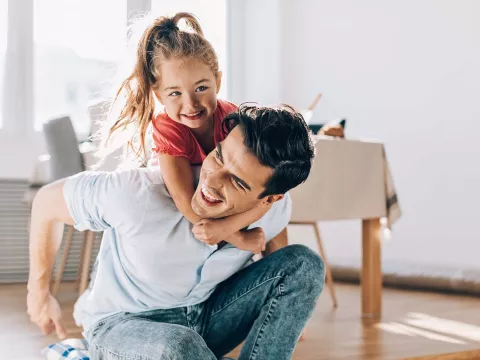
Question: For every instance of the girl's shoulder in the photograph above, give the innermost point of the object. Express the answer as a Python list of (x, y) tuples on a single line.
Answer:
[(226, 107), (167, 130), (161, 118), (161, 121)]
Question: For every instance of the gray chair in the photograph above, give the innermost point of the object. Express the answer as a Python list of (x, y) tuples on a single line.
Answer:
[(66, 160), (62, 146)]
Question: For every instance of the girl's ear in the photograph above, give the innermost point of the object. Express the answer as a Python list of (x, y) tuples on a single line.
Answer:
[(219, 81), (157, 95)]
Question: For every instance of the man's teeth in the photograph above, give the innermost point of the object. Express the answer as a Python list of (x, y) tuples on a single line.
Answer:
[(209, 196)]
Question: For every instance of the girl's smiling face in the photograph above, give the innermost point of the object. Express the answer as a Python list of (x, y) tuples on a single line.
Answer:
[(188, 90)]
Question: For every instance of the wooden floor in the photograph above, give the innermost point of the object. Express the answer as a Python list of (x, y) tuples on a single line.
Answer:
[(415, 324)]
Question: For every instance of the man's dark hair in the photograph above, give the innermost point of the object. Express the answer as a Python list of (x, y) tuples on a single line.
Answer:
[(280, 139)]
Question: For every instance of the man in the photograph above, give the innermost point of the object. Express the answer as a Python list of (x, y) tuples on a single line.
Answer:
[(159, 293)]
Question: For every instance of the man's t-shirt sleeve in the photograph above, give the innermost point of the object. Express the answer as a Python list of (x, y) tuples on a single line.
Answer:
[(100, 200), (276, 219)]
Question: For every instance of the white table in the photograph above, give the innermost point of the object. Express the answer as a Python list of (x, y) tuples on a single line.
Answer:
[(350, 179)]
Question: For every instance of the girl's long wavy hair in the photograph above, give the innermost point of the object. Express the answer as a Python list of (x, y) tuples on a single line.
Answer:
[(134, 103)]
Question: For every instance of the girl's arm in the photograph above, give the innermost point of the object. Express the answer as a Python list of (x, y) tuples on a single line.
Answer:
[(178, 176), (229, 225), (212, 231)]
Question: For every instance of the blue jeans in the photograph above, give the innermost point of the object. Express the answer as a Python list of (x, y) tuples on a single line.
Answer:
[(267, 305)]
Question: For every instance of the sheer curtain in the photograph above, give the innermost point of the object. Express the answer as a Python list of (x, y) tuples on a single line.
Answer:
[(17, 97)]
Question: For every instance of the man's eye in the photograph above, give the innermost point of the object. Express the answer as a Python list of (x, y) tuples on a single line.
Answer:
[(238, 185), (175, 93), (201, 88), (217, 156)]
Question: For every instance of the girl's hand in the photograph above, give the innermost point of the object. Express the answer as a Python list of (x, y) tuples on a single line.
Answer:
[(210, 231), (252, 240)]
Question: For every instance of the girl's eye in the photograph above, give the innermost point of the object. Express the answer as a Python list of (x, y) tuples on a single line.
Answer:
[(175, 93), (201, 88)]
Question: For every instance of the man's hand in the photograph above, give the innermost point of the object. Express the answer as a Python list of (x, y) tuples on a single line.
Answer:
[(45, 311), (210, 231)]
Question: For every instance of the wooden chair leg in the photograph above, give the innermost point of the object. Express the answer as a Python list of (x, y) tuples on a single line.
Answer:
[(80, 261), (86, 260), (63, 262), (328, 273)]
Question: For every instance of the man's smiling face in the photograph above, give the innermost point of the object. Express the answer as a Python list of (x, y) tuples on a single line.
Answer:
[(231, 180)]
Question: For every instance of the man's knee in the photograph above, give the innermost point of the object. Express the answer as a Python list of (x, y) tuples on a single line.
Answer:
[(186, 344), (308, 266)]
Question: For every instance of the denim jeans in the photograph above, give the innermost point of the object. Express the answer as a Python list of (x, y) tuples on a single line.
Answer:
[(267, 305)]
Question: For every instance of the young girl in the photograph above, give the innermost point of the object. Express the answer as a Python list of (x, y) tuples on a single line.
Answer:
[(179, 69)]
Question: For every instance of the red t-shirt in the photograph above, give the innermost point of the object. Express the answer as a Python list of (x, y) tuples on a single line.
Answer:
[(175, 139)]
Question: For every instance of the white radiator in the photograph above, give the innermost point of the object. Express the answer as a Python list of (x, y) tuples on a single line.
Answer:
[(14, 213)]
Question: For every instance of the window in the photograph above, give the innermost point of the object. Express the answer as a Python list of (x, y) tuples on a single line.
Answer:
[(78, 44), (3, 50), (213, 19)]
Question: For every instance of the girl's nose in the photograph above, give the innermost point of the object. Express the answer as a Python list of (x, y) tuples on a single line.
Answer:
[(192, 101)]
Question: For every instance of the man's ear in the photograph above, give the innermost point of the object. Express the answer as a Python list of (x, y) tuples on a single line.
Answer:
[(270, 199), (157, 95), (219, 81)]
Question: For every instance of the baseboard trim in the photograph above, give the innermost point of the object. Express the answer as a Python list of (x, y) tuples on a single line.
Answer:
[(444, 280)]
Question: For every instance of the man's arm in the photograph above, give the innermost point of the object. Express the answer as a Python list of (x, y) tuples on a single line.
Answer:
[(278, 242), (48, 207)]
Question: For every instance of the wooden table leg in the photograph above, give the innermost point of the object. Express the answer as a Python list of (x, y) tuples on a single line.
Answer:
[(371, 277)]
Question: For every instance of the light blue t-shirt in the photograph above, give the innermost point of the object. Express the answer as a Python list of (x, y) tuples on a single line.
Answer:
[(149, 258)]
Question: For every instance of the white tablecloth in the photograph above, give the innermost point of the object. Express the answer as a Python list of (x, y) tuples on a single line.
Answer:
[(350, 179)]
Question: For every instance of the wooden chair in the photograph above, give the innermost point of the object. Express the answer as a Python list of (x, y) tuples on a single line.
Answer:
[(66, 160), (328, 272), (83, 264)]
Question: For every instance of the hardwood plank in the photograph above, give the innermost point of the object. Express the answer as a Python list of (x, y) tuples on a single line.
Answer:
[(415, 325)]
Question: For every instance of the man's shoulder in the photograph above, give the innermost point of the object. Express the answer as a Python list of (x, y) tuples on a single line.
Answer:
[(120, 181), (116, 197)]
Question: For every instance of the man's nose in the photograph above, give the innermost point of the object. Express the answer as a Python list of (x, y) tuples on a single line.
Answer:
[(215, 179)]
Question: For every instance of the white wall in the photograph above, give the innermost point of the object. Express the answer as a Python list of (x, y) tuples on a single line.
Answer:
[(254, 51), (405, 72)]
